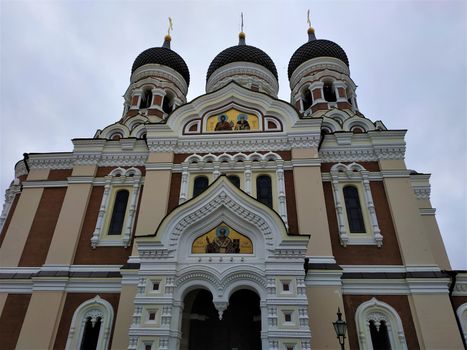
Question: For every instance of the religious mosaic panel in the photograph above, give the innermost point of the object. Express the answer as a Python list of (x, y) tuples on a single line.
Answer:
[(222, 239), (232, 120)]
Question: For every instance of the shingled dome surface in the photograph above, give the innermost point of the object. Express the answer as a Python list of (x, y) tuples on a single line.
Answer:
[(242, 53), (165, 57), (316, 48)]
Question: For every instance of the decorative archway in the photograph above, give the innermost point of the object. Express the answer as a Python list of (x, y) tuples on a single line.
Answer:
[(239, 327), (171, 272)]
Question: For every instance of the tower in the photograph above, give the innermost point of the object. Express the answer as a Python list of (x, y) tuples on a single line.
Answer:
[(234, 220)]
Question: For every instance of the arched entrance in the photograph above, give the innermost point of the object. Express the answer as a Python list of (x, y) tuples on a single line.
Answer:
[(240, 327)]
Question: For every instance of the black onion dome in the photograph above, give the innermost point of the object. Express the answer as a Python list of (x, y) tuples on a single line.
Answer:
[(242, 53), (163, 56), (316, 48)]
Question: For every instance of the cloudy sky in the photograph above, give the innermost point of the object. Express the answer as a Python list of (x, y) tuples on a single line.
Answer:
[(64, 66)]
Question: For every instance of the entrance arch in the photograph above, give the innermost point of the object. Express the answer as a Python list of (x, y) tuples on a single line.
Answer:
[(239, 328)]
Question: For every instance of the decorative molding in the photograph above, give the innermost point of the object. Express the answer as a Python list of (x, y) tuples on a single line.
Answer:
[(10, 194), (329, 155), (94, 308), (132, 179), (378, 311), (236, 143), (341, 175)]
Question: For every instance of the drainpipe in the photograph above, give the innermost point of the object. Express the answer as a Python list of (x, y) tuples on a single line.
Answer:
[(453, 275)]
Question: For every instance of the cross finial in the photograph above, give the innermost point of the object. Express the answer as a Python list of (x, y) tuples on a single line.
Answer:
[(311, 30), (241, 25), (170, 26)]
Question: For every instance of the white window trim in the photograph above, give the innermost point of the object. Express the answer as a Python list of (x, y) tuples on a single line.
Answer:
[(93, 307), (462, 317), (129, 179), (377, 311), (341, 175)]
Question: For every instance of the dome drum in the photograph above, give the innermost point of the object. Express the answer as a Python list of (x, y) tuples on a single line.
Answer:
[(250, 75), (247, 65)]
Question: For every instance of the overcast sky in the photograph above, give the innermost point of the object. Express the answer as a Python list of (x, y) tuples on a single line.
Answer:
[(65, 65)]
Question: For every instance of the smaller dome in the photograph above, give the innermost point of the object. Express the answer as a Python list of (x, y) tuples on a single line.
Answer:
[(163, 56), (242, 53), (316, 48)]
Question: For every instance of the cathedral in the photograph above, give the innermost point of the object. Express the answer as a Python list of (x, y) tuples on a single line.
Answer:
[(235, 221)]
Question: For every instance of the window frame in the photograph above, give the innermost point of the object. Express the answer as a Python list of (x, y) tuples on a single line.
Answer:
[(377, 311), (96, 306), (118, 179), (357, 176)]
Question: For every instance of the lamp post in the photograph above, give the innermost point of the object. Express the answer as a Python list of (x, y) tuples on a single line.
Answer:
[(340, 326)]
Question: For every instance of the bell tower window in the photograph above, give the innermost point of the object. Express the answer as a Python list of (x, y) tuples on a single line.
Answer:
[(146, 99), (167, 103), (307, 99), (328, 91)]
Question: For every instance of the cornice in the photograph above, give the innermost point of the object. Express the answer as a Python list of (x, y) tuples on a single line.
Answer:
[(361, 153), (208, 144)]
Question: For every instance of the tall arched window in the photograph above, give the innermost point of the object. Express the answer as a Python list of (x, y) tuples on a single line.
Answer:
[(307, 99), (235, 180), (201, 183), (118, 213), (264, 190), (328, 91), (379, 326), (354, 210), (146, 99), (91, 325)]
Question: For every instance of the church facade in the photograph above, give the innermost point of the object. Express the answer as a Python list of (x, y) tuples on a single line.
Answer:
[(234, 221)]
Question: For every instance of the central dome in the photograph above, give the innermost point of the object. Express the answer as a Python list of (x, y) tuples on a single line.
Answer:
[(242, 53), (165, 57)]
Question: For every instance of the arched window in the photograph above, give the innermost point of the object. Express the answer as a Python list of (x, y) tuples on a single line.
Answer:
[(235, 180), (307, 99), (146, 99), (328, 91), (91, 325), (201, 183), (379, 335), (264, 190), (91, 331), (118, 213), (354, 210), (167, 103), (379, 327)]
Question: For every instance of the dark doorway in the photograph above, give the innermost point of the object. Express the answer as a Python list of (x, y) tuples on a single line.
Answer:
[(239, 328)]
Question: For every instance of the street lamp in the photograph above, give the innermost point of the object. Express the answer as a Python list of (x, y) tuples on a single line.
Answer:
[(340, 326)]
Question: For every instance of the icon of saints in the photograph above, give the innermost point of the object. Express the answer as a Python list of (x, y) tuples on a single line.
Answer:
[(242, 122), (222, 243), (223, 123)]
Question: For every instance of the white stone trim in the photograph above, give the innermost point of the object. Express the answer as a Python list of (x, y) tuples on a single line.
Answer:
[(462, 317), (354, 173), (379, 311), (131, 180), (10, 194), (96, 307)]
